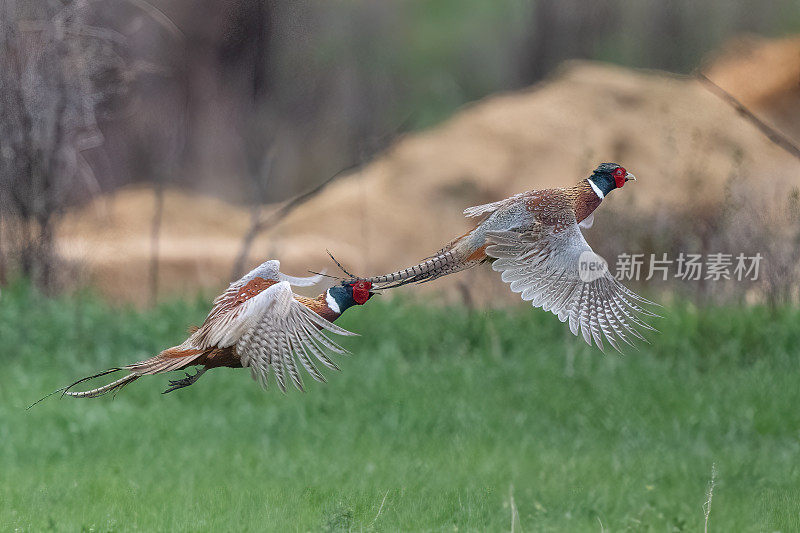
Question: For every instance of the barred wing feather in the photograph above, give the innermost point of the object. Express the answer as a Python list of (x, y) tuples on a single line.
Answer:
[(301, 281), (480, 210), (543, 265), (286, 333), (271, 270), (229, 319)]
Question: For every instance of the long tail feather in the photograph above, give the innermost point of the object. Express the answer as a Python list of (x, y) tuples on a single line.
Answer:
[(154, 365), (65, 389), (116, 385), (105, 389), (453, 258)]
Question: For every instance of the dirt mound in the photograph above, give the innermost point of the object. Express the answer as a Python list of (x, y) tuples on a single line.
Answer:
[(682, 142), (764, 75), (112, 238)]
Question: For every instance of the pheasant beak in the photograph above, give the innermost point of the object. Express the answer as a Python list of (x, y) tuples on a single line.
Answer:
[(629, 177)]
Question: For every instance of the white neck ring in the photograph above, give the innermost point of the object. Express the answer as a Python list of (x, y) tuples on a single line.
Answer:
[(331, 301), (596, 190)]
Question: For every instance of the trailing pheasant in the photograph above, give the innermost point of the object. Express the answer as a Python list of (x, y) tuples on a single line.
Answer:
[(258, 322), (534, 240)]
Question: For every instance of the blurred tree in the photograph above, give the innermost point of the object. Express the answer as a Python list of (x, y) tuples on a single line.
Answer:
[(316, 80), (312, 83), (57, 70), (565, 28), (67, 71)]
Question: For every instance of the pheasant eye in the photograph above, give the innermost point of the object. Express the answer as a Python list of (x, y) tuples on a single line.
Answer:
[(619, 177), (361, 292)]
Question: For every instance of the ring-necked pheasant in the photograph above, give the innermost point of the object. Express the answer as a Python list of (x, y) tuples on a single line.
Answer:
[(534, 240), (258, 322)]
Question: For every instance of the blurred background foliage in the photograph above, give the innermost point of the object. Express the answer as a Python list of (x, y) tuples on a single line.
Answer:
[(320, 83), (254, 101)]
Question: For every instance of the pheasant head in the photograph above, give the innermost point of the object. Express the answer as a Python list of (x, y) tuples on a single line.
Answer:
[(607, 177), (350, 293)]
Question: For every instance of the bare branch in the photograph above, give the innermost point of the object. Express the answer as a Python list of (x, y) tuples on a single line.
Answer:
[(160, 17), (79, 30), (260, 224), (771, 133), (293, 203), (54, 71)]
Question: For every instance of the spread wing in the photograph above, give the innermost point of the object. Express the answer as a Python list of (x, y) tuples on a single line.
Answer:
[(271, 270), (479, 210), (301, 281), (242, 304), (287, 332), (555, 268)]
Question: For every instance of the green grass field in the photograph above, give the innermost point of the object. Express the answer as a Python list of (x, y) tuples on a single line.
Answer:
[(442, 420)]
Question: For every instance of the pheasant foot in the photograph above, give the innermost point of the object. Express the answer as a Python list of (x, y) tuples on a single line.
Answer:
[(185, 382)]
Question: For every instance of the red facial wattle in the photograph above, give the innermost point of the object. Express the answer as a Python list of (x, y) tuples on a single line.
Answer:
[(619, 177), (361, 292)]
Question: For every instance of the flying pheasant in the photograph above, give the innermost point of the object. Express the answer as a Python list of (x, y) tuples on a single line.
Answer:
[(258, 322), (534, 240)]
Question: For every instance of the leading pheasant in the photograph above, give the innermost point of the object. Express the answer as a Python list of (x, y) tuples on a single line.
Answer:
[(534, 239), (258, 322)]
